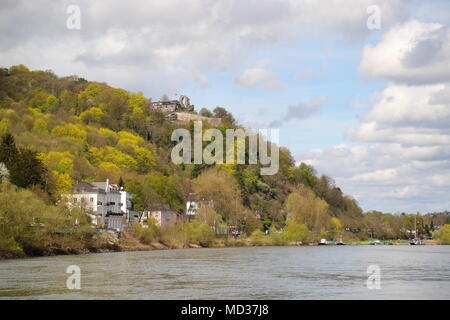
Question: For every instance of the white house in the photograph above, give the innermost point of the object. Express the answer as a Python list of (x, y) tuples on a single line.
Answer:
[(107, 205), (192, 206), (126, 204)]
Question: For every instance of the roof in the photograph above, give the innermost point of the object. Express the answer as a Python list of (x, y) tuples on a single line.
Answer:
[(161, 206), (94, 187), (87, 187)]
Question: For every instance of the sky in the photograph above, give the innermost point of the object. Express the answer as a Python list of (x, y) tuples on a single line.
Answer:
[(369, 107)]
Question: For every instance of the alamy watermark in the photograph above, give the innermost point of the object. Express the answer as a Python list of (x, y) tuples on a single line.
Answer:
[(374, 279), (374, 20), (74, 280), (190, 150), (73, 22)]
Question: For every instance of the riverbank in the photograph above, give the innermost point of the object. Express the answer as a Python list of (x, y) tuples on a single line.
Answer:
[(108, 241)]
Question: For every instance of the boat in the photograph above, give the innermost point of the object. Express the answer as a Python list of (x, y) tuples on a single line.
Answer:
[(416, 241), (340, 243), (376, 242), (322, 242)]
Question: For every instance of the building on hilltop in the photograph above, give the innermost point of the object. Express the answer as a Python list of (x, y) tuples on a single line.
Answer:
[(180, 111), (186, 117), (183, 104)]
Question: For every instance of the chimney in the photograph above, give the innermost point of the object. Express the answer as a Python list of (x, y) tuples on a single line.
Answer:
[(107, 185)]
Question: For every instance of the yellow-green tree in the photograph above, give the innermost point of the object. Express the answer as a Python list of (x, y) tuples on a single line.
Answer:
[(305, 207), (443, 234)]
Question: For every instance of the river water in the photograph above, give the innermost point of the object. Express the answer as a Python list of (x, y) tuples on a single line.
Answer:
[(326, 272)]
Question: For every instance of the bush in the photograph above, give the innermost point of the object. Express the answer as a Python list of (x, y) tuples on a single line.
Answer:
[(202, 234), (443, 234), (295, 231), (259, 238), (279, 238), (147, 235), (29, 225)]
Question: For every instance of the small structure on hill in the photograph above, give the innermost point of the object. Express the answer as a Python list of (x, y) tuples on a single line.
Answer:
[(183, 104), (186, 117), (193, 205)]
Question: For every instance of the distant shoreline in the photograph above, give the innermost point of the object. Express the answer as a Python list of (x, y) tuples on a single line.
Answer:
[(221, 244)]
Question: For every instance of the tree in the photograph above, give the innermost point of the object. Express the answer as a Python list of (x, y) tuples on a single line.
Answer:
[(227, 118), (206, 113), (40, 126), (336, 227), (121, 183), (305, 207), (304, 174), (18, 68), (8, 149), (296, 231), (443, 234), (24, 166), (27, 170), (220, 187), (144, 197)]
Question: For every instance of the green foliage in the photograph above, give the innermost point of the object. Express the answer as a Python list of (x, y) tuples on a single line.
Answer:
[(296, 231), (18, 68), (93, 115), (259, 238), (40, 126), (148, 235), (72, 131), (28, 225), (201, 234), (24, 166), (278, 238), (4, 126), (443, 234)]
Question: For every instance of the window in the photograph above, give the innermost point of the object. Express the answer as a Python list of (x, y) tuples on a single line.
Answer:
[(92, 199), (74, 200)]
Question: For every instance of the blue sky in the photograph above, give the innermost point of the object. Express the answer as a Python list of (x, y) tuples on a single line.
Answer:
[(367, 107), (306, 71)]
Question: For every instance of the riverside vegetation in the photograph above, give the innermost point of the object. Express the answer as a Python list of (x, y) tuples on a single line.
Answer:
[(56, 131)]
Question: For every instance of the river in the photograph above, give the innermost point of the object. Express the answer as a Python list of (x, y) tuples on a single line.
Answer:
[(327, 272)]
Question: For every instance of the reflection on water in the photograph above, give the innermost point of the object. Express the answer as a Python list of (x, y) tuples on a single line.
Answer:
[(332, 272)]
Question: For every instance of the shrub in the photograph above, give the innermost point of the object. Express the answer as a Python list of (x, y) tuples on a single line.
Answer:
[(258, 238), (443, 234), (295, 231), (202, 234), (147, 235)]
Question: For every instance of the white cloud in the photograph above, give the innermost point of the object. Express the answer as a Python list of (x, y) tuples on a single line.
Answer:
[(172, 43), (388, 177), (378, 175), (404, 161), (259, 78), (414, 53), (409, 115)]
